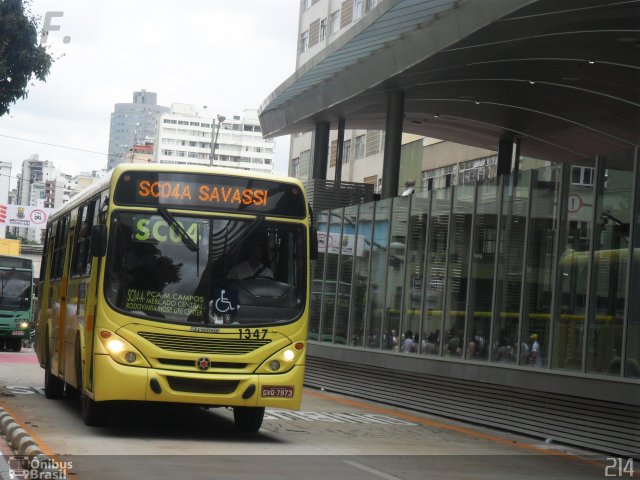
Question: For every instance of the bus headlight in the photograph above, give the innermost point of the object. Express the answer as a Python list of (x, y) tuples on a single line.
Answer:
[(121, 350), (24, 324), (282, 361), (115, 346)]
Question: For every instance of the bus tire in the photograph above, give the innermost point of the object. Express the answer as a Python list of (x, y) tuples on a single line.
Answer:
[(70, 390), (53, 386), (94, 414), (248, 419)]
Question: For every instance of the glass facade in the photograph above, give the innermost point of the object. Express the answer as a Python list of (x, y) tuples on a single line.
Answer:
[(533, 269)]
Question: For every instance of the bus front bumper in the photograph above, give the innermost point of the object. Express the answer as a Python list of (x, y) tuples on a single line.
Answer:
[(113, 381)]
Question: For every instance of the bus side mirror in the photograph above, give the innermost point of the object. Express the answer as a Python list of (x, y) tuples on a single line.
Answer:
[(313, 236), (98, 240)]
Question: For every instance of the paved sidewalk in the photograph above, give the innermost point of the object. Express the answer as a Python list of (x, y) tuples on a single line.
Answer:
[(5, 453)]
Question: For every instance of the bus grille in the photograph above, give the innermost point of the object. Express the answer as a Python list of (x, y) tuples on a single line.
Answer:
[(224, 346), (192, 385)]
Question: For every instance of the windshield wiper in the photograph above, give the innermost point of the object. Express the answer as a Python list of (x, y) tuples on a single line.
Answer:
[(173, 223), (255, 223)]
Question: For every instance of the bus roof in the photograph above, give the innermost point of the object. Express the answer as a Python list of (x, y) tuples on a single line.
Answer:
[(17, 262)]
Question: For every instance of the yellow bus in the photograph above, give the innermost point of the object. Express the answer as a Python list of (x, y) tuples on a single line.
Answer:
[(178, 284)]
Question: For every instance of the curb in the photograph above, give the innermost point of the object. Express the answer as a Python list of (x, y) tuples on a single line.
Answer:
[(25, 446), (17, 438)]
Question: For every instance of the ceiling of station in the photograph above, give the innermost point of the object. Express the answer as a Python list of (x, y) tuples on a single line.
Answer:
[(564, 76)]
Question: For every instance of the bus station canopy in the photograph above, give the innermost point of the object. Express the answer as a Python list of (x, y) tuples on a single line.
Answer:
[(563, 76)]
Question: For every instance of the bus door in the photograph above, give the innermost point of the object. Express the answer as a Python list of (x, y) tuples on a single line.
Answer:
[(69, 302), (80, 291), (57, 295)]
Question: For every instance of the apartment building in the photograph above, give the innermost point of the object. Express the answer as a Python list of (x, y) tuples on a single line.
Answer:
[(186, 133)]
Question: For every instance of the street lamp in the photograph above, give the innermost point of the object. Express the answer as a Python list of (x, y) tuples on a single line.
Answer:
[(221, 118)]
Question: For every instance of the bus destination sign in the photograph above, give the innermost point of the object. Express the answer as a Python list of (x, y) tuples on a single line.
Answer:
[(210, 192)]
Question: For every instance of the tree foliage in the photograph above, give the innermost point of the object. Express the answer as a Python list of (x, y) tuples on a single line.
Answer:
[(21, 57)]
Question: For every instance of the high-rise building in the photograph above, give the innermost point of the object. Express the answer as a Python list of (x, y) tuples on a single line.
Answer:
[(321, 23), (133, 123), (186, 133), (34, 183)]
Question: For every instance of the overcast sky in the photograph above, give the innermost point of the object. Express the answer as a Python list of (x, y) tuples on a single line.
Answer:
[(226, 54)]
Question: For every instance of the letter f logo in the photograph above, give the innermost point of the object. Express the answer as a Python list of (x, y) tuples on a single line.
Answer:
[(48, 27)]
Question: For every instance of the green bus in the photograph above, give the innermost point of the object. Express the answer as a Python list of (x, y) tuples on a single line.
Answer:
[(16, 305)]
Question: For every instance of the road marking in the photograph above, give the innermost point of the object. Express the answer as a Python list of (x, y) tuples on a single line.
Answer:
[(22, 390), (371, 470), (28, 358), (366, 418), (454, 428)]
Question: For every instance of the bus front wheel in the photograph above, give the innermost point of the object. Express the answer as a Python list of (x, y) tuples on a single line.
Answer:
[(248, 419), (94, 414)]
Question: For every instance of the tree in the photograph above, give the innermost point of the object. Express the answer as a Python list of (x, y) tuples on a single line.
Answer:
[(21, 58)]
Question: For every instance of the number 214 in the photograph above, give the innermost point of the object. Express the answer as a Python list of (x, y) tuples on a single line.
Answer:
[(619, 467)]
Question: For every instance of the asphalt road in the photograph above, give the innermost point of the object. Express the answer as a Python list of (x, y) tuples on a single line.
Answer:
[(332, 437)]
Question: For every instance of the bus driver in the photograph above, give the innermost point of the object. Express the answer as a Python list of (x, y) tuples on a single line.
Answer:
[(252, 266)]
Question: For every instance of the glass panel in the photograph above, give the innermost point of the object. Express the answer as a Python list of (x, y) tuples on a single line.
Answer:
[(545, 201), (459, 245), (333, 241), (436, 270), (482, 269), (378, 276), (350, 249), (568, 334), (395, 273), (611, 252), (15, 290), (317, 275), (417, 237), (632, 365), (509, 281), (361, 276)]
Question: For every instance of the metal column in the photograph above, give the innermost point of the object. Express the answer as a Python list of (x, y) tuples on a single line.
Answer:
[(320, 150), (340, 150), (392, 144)]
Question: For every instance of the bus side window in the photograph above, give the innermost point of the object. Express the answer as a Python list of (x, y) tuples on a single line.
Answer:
[(45, 252), (59, 247), (81, 264), (58, 250)]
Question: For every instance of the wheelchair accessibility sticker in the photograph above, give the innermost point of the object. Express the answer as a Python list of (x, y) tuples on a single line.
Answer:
[(224, 305)]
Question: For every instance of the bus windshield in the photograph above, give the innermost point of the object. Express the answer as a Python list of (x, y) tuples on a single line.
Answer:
[(15, 289), (204, 271)]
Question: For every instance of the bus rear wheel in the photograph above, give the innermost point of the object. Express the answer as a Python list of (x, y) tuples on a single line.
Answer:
[(248, 419), (53, 386)]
